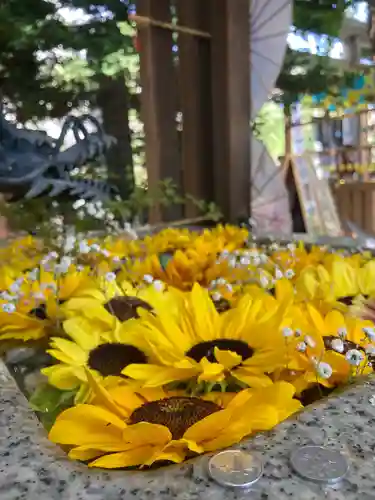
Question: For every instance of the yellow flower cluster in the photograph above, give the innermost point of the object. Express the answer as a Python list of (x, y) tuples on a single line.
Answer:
[(182, 343)]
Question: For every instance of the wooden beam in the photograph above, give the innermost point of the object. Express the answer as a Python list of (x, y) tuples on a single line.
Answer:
[(194, 78), (159, 102), (230, 46)]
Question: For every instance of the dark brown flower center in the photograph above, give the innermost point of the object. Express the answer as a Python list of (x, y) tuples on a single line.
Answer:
[(176, 413), (349, 299), (111, 359), (125, 308), (40, 312), (207, 349)]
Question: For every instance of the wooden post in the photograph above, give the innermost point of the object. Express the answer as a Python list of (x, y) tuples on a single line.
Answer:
[(364, 154), (159, 102), (194, 78), (230, 45)]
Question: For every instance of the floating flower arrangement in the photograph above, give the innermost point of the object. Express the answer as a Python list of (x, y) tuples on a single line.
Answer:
[(152, 351)]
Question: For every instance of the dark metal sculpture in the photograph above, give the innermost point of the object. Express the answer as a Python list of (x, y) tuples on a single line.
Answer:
[(33, 164)]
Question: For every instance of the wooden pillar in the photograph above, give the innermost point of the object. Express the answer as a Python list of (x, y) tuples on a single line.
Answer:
[(230, 45), (195, 77), (159, 102), (365, 151)]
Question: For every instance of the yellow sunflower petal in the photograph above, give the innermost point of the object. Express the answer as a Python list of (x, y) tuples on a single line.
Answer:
[(144, 433), (70, 349), (88, 425), (157, 376), (138, 456), (82, 332), (211, 372), (61, 376), (228, 359), (207, 428), (251, 377), (84, 453)]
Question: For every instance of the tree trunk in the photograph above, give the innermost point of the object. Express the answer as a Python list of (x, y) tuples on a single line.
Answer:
[(113, 100)]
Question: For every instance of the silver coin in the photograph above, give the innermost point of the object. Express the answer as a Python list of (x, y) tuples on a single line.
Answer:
[(235, 468), (319, 464)]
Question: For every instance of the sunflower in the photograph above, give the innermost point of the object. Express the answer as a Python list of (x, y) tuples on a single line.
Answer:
[(340, 285), (108, 310), (37, 301), (134, 429), (85, 349), (202, 346)]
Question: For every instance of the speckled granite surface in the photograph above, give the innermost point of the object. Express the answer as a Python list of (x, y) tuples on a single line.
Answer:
[(31, 468)]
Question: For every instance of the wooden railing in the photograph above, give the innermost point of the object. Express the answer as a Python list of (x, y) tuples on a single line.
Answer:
[(356, 203)]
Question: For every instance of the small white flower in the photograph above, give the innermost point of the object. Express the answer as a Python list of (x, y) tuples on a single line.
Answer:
[(291, 247), (245, 261), (264, 281), (338, 345), (301, 347), (105, 253), (69, 243), (342, 332), (66, 261), (8, 308), (158, 285), (110, 277), (148, 278), (14, 287), (324, 370), (278, 274), (216, 296), (7, 296), (33, 274), (221, 281), (289, 274), (83, 247), (116, 259), (257, 261), (52, 255), (310, 341), (80, 267), (287, 332), (232, 262), (263, 258), (213, 284), (95, 247), (370, 350), (39, 296), (63, 266), (354, 357), (369, 332)]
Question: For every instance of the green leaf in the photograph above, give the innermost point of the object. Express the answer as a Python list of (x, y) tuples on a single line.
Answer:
[(48, 399), (164, 258)]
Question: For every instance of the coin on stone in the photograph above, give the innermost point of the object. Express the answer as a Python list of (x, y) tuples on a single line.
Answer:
[(319, 464), (235, 468)]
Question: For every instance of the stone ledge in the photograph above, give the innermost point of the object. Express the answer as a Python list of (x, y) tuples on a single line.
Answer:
[(32, 468)]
